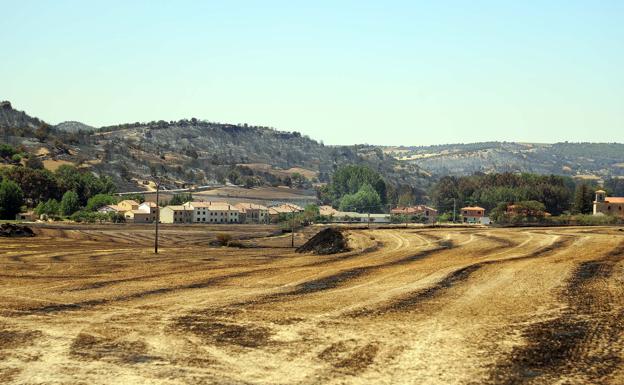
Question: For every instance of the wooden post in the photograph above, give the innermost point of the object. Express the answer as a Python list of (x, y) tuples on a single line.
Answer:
[(157, 218), (292, 227)]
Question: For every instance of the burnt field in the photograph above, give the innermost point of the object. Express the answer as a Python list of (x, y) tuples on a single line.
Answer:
[(93, 305)]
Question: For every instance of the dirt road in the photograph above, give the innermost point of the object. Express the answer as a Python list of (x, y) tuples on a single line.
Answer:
[(404, 306)]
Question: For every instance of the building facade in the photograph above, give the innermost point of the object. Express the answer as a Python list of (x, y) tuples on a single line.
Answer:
[(214, 212), (252, 213), (473, 214), (176, 214), (604, 205), (429, 213)]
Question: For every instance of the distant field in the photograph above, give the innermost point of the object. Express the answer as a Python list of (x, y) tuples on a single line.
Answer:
[(93, 305)]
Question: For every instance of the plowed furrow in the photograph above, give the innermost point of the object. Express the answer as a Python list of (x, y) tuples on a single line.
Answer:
[(583, 344)]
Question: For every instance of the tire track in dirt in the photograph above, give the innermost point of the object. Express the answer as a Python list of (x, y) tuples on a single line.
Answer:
[(584, 342), (414, 300), (342, 277), (81, 305)]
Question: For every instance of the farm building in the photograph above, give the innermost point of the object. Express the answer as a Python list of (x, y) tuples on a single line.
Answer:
[(252, 213), (128, 205), (26, 216), (604, 205), (110, 209), (138, 216), (429, 213), (151, 208), (473, 214), (176, 214), (286, 208)]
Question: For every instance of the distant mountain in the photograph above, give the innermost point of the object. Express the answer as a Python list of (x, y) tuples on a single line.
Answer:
[(73, 126), (583, 160)]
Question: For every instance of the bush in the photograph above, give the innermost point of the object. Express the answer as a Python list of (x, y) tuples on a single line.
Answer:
[(11, 199), (51, 208), (100, 200), (70, 203), (223, 239)]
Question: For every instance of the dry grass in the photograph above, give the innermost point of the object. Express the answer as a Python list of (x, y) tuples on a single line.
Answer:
[(92, 304)]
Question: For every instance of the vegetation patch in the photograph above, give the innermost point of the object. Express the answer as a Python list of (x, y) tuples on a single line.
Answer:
[(328, 241), (11, 230), (90, 347), (224, 332)]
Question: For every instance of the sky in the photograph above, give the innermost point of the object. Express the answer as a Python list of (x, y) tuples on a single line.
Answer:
[(344, 72)]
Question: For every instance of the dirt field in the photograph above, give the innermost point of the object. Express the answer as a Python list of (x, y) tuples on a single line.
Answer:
[(404, 306)]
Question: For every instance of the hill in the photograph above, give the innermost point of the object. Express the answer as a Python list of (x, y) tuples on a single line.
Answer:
[(192, 152), (74, 126), (195, 152), (581, 160)]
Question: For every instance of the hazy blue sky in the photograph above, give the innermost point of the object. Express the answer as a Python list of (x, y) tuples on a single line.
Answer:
[(386, 72)]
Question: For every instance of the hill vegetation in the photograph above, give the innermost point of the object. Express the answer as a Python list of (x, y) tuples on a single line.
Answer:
[(581, 160)]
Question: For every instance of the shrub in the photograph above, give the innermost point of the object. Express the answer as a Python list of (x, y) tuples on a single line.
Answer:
[(11, 199), (223, 239)]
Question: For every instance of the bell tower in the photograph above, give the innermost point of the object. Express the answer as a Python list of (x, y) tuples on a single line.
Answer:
[(601, 195)]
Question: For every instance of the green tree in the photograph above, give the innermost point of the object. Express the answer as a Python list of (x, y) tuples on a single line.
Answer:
[(99, 200), (70, 203), (349, 179), (365, 200), (37, 185), (51, 208), (11, 199), (311, 213), (179, 199), (615, 187), (7, 151), (583, 199)]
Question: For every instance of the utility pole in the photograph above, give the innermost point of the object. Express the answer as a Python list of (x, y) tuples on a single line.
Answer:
[(369, 219), (292, 226), (453, 210), (157, 218)]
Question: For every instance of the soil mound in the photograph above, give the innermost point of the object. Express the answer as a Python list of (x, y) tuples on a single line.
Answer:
[(11, 230), (328, 241)]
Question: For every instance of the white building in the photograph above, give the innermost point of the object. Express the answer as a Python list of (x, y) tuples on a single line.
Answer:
[(213, 212)]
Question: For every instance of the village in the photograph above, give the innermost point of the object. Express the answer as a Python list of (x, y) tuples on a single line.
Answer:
[(222, 212)]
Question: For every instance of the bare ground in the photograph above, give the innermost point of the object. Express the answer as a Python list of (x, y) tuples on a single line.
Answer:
[(93, 305)]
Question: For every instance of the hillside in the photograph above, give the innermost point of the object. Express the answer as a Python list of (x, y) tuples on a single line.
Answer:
[(194, 152), (582, 160)]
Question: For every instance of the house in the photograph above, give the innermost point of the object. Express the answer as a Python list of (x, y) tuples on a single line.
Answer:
[(327, 211), (252, 213), (214, 212), (29, 216), (286, 208), (604, 205), (151, 208), (176, 214), (128, 205), (138, 216), (473, 214), (110, 209), (429, 213)]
